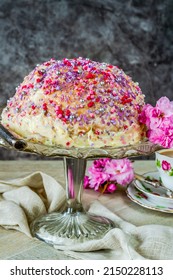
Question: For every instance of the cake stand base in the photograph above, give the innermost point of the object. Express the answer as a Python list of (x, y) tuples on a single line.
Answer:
[(70, 228), (72, 224)]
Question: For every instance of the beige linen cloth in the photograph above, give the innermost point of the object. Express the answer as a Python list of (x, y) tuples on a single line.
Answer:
[(24, 199)]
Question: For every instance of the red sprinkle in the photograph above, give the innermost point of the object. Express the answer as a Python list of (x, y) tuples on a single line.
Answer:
[(90, 76), (44, 106), (67, 62), (78, 63), (67, 112), (75, 68), (48, 81), (30, 86), (47, 64), (38, 80), (40, 72), (88, 97), (125, 99), (97, 132), (91, 104), (27, 86), (64, 119), (98, 99), (85, 67), (59, 112)]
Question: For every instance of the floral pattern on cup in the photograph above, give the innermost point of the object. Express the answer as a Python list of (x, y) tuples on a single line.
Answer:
[(165, 166)]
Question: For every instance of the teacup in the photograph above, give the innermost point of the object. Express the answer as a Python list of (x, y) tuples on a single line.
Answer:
[(164, 163)]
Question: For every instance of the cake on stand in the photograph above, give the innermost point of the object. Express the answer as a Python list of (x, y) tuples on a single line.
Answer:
[(72, 224)]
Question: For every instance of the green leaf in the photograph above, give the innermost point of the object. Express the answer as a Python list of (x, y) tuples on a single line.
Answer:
[(171, 172), (158, 163)]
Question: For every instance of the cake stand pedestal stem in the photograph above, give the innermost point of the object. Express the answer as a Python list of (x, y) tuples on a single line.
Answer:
[(74, 174)]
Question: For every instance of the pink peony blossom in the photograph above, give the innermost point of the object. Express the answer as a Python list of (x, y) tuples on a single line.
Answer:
[(166, 165), (120, 170), (97, 178), (145, 115), (156, 118), (162, 137), (159, 122), (99, 164), (165, 106), (105, 174)]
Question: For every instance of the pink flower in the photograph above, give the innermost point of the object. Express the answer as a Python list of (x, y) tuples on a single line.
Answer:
[(99, 164), (165, 105), (167, 123), (166, 165), (120, 170), (107, 187), (156, 118), (86, 182), (162, 137), (111, 188), (159, 122), (146, 115), (97, 178), (105, 174)]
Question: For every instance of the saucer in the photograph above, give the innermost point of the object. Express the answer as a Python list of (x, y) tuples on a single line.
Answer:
[(158, 194), (146, 201)]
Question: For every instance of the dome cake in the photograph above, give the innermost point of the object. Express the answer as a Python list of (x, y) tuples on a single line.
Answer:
[(76, 103)]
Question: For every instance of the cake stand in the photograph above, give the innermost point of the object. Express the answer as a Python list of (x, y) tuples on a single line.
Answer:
[(72, 224)]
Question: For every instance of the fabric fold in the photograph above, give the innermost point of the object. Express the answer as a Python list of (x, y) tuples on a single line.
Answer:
[(23, 200)]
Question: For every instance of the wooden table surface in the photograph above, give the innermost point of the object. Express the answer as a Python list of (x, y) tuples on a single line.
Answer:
[(16, 245)]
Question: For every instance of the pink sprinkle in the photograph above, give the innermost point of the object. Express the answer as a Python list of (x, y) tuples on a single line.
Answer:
[(92, 115)]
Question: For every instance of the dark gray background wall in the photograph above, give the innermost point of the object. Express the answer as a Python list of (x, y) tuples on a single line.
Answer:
[(136, 35)]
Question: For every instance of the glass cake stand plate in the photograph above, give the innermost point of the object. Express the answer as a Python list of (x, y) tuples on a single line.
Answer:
[(72, 224)]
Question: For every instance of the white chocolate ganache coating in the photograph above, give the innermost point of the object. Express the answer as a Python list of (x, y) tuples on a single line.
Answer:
[(76, 103)]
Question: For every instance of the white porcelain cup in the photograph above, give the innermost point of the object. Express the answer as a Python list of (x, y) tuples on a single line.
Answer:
[(164, 163)]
